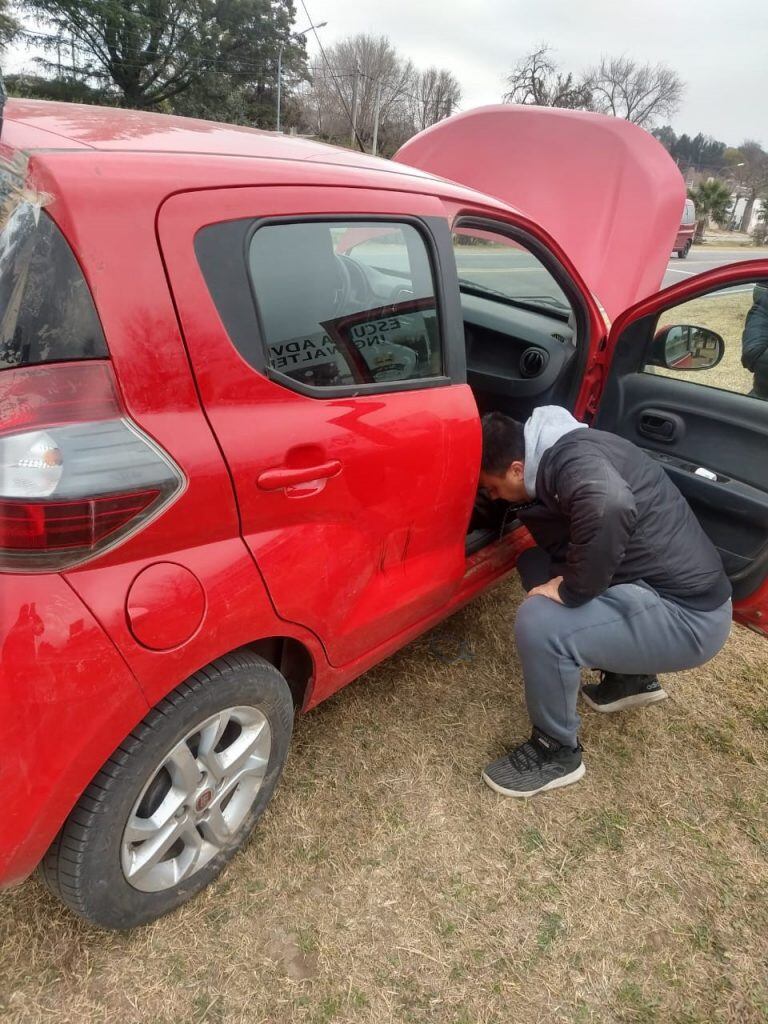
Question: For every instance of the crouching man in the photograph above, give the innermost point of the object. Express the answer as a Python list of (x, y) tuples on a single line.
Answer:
[(623, 580)]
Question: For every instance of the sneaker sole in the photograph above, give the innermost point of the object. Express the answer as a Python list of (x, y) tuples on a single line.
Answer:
[(564, 780), (637, 700)]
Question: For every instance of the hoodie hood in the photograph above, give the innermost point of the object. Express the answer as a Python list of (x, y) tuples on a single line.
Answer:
[(546, 426)]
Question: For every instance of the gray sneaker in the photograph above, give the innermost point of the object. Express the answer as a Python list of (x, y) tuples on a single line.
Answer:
[(619, 692), (535, 766)]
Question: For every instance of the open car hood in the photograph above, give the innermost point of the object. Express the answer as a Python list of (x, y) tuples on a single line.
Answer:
[(605, 189)]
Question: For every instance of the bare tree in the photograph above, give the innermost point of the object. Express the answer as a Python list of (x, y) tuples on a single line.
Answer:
[(435, 95), (537, 79), (361, 70), (641, 93), (355, 69)]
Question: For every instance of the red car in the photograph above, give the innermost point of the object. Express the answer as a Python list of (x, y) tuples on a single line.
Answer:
[(686, 231), (241, 379)]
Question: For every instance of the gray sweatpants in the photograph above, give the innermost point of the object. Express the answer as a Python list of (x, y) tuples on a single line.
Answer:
[(628, 629)]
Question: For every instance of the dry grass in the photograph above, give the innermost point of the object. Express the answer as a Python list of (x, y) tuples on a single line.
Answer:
[(388, 884)]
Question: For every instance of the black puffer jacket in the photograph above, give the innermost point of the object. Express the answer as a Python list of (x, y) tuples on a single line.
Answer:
[(754, 343), (607, 513)]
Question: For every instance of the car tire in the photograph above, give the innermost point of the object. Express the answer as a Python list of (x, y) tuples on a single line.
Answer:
[(234, 716), (683, 253)]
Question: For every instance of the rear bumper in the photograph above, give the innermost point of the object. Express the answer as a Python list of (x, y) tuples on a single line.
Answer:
[(683, 237), (67, 700)]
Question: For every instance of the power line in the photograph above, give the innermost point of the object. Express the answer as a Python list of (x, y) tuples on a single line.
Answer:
[(341, 95)]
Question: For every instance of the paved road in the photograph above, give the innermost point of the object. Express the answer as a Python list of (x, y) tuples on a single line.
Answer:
[(701, 260), (515, 272)]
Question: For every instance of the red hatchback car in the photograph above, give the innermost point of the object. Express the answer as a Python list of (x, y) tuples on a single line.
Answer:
[(241, 380)]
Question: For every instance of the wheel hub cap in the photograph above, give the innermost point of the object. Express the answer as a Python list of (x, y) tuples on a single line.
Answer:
[(196, 800), (204, 800)]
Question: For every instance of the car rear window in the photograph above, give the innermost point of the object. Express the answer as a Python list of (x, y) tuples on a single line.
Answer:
[(46, 310)]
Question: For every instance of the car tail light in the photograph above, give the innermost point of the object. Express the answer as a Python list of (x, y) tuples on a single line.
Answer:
[(76, 475)]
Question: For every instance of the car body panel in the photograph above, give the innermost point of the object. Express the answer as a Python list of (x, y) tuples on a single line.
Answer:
[(361, 556), (67, 699), (605, 189), (237, 611), (46, 124)]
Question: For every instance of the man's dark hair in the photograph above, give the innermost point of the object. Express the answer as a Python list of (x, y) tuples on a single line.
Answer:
[(503, 443)]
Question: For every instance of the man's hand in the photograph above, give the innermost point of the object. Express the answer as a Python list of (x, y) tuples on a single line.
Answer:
[(550, 590)]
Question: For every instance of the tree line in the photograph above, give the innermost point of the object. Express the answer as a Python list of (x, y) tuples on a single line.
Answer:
[(726, 170)]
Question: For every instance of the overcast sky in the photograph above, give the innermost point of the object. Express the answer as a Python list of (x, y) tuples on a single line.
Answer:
[(719, 48)]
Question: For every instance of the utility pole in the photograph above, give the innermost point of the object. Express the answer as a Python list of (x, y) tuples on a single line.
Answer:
[(354, 107), (376, 119), (279, 81), (292, 35)]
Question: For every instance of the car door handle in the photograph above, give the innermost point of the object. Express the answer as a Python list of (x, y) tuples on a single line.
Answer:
[(280, 479), (659, 426)]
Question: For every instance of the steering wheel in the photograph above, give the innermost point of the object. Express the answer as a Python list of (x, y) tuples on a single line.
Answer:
[(354, 292)]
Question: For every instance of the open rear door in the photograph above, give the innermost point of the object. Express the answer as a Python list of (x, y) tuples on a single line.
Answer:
[(688, 382), (604, 189)]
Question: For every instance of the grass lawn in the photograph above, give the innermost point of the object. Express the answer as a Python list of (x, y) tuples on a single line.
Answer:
[(388, 884)]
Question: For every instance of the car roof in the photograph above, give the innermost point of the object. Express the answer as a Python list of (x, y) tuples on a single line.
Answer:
[(34, 125)]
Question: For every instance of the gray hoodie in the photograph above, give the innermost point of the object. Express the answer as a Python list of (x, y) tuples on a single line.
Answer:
[(546, 426)]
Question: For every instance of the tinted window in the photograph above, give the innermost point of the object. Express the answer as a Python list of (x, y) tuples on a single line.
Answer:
[(346, 303), (46, 310)]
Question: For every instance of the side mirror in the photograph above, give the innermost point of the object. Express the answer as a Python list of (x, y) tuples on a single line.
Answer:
[(685, 347)]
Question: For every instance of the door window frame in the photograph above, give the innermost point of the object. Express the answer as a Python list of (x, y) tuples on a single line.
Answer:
[(574, 294), (239, 307), (631, 337)]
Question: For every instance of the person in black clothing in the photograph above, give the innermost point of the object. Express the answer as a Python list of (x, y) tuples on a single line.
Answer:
[(623, 579), (754, 342)]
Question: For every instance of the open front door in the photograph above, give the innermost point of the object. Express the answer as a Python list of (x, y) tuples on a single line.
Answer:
[(688, 382)]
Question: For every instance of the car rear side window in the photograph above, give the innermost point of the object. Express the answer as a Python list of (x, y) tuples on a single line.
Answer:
[(346, 303), (46, 310)]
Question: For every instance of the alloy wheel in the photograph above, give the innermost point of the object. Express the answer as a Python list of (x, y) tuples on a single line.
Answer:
[(196, 800)]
